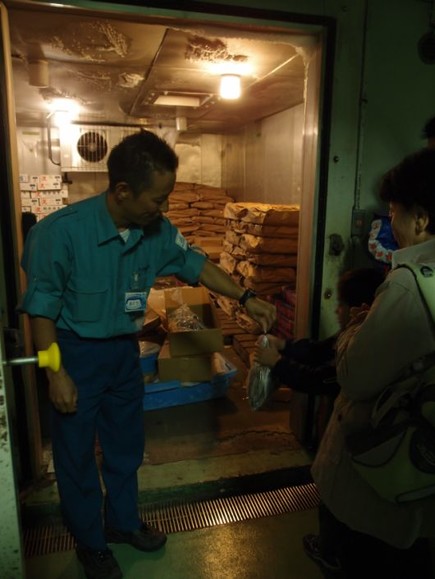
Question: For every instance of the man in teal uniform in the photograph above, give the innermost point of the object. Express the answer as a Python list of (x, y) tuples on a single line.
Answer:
[(89, 270)]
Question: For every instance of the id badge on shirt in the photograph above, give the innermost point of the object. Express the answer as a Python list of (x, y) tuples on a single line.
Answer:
[(135, 301)]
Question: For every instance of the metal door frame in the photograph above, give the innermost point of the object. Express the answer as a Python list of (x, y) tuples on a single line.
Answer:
[(11, 545), (10, 537)]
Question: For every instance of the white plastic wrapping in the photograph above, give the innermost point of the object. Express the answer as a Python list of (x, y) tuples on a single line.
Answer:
[(260, 380)]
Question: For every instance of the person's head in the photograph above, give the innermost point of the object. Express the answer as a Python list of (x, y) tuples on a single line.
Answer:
[(429, 132), (355, 288), (409, 188), (142, 170)]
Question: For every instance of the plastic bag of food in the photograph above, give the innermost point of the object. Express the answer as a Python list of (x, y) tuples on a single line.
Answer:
[(183, 319), (260, 382)]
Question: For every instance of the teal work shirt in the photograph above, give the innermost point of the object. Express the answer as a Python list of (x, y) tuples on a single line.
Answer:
[(82, 274)]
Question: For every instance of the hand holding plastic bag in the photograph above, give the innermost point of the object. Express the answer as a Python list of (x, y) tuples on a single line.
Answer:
[(269, 354), (260, 381)]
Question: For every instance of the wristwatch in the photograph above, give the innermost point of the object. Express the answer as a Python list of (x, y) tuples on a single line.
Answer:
[(246, 295)]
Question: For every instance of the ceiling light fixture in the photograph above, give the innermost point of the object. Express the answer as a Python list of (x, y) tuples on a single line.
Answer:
[(63, 112), (230, 86), (180, 123)]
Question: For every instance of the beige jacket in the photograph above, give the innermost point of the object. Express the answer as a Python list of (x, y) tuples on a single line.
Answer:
[(396, 332)]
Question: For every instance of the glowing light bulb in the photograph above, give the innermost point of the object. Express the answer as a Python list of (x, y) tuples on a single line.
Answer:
[(230, 87)]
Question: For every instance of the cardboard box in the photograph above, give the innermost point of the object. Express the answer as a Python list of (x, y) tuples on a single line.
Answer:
[(183, 368), (194, 342)]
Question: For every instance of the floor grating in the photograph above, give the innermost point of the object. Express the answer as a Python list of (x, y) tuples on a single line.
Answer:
[(177, 517)]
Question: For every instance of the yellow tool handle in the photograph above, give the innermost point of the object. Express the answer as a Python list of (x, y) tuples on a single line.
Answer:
[(50, 358)]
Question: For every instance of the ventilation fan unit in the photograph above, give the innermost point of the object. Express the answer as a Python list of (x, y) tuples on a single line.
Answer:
[(86, 148)]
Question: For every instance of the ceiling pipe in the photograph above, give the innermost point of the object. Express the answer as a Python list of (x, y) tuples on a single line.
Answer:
[(50, 144), (38, 73)]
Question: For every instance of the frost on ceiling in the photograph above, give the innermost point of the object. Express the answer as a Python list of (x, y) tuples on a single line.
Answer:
[(129, 80), (93, 41), (205, 49)]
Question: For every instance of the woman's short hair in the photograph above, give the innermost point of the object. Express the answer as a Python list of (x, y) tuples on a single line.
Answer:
[(412, 183)]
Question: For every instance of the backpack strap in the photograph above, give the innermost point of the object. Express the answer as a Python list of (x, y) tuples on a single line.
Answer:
[(425, 277), (422, 409), (403, 390)]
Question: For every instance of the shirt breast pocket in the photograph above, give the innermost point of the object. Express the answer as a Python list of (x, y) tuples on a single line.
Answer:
[(86, 300)]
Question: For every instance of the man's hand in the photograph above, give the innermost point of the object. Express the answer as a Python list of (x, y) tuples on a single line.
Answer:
[(217, 280), (262, 312), (62, 392)]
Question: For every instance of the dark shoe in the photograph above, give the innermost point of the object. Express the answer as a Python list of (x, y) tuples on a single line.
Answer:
[(146, 538), (99, 564), (312, 549)]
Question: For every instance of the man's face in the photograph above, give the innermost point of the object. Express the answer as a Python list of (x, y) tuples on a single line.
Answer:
[(147, 207)]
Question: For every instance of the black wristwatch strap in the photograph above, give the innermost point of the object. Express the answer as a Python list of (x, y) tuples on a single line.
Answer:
[(246, 295)]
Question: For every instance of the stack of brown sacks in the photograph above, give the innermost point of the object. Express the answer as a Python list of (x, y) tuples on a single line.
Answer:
[(259, 250), (198, 212)]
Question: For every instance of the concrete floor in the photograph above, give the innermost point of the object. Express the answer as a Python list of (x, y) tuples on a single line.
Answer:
[(208, 449), (266, 548)]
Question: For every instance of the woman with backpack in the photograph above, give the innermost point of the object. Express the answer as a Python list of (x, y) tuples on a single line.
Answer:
[(360, 532)]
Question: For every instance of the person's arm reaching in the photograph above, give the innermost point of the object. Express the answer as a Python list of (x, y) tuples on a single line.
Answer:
[(303, 365), (217, 280), (62, 390)]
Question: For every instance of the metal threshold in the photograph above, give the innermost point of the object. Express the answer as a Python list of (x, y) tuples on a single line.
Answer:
[(187, 516)]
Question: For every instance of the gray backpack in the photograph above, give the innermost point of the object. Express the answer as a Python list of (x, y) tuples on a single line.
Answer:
[(396, 456)]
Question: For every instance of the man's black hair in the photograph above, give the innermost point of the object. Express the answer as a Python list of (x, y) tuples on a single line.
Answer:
[(137, 157)]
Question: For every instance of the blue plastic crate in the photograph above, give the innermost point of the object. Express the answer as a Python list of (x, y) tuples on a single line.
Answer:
[(173, 393)]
